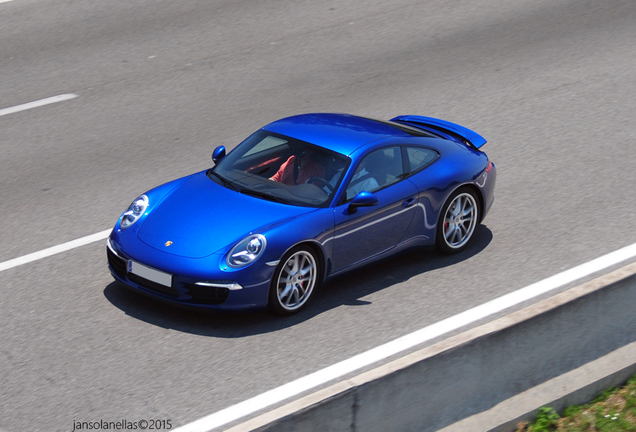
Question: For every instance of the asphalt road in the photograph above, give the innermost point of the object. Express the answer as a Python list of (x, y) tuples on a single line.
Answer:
[(550, 83)]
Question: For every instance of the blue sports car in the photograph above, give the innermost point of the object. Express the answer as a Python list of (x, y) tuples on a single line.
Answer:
[(299, 201)]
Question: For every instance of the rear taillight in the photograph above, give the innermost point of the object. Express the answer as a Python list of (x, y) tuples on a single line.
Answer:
[(489, 166)]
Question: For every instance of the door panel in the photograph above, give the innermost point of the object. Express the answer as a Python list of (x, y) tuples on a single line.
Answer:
[(368, 231)]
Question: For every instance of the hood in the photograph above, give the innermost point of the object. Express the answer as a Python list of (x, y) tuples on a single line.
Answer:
[(201, 217)]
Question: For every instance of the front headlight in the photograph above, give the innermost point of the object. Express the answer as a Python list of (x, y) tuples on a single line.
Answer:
[(134, 212), (246, 251)]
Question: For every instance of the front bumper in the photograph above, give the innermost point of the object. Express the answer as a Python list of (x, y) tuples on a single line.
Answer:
[(214, 291)]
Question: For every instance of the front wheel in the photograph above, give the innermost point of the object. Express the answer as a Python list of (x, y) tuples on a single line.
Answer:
[(458, 219), (294, 281)]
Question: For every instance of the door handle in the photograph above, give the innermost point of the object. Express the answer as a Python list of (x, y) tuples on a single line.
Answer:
[(408, 202)]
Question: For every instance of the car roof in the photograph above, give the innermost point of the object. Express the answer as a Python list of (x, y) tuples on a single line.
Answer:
[(342, 133)]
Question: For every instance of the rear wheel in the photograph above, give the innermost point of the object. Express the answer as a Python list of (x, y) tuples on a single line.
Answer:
[(295, 279), (458, 219)]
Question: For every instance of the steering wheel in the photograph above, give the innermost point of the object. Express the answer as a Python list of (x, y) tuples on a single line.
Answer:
[(321, 180)]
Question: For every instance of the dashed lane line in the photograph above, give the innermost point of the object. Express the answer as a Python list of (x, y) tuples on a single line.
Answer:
[(6, 265), (37, 103)]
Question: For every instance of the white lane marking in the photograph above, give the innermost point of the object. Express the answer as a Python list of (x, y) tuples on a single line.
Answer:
[(54, 250), (5, 1), (311, 381), (38, 103)]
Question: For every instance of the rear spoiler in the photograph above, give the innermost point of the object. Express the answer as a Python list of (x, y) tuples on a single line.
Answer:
[(449, 130)]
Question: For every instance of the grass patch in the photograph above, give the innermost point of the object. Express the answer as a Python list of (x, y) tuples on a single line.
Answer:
[(612, 411)]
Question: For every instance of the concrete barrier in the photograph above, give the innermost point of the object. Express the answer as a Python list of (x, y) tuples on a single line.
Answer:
[(455, 383)]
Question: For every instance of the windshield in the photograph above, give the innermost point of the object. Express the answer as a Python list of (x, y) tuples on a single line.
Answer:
[(282, 169)]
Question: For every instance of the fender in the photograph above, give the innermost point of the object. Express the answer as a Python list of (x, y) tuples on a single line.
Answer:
[(450, 130)]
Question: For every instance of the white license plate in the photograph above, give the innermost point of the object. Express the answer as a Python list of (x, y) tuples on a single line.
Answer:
[(150, 273)]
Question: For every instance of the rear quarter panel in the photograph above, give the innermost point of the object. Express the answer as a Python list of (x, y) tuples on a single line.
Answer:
[(457, 165)]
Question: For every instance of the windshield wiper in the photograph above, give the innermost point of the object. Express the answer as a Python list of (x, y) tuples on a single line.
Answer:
[(224, 180), (264, 195)]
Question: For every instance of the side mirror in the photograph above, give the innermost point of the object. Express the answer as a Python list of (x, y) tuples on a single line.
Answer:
[(218, 154), (363, 199)]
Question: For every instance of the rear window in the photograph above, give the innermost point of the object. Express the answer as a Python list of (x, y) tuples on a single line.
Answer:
[(420, 157)]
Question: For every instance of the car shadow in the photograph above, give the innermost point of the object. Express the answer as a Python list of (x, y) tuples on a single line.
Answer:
[(347, 289)]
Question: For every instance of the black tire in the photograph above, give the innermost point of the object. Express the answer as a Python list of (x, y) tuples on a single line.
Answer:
[(291, 289), (457, 221)]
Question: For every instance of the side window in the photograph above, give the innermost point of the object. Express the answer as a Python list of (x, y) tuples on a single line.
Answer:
[(375, 171), (419, 157)]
